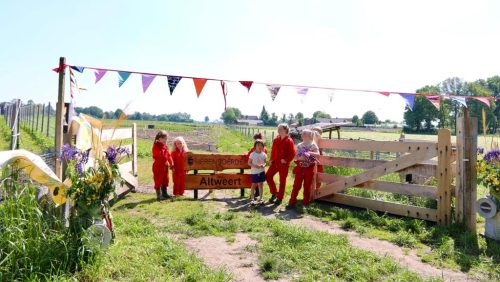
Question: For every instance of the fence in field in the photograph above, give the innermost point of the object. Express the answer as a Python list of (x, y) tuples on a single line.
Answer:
[(30, 117)]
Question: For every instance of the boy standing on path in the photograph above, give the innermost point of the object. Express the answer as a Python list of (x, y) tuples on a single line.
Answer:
[(282, 153)]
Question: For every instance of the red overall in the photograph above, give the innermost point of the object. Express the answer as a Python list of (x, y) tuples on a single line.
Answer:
[(160, 169), (281, 149), (306, 175), (179, 173)]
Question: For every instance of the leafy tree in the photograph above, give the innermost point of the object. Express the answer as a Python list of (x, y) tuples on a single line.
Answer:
[(30, 102), (283, 118), (118, 113), (423, 114), (91, 111), (479, 88), (264, 115), (290, 118), (299, 117), (320, 114), (273, 121), (370, 117), (207, 119), (231, 115), (355, 120)]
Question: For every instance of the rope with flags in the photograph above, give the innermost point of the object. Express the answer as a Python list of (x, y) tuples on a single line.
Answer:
[(273, 88)]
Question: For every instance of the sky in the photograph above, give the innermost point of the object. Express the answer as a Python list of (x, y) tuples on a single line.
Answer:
[(384, 45)]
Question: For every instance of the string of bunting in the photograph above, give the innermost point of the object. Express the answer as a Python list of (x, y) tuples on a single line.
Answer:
[(199, 84)]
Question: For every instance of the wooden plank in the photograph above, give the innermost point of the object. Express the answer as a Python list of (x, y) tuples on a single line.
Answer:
[(444, 176), (125, 167), (60, 119), (401, 188), (384, 186), (382, 146), (389, 207), (134, 150), (459, 188), (215, 162), (217, 181), (376, 172), (116, 134)]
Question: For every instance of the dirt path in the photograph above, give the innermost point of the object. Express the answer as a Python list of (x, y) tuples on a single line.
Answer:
[(217, 252), (235, 257)]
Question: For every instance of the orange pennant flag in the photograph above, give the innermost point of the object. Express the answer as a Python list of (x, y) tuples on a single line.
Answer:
[(199, 83)]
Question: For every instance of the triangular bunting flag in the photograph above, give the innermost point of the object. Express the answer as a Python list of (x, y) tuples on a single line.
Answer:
[(273, 89), (78, 69), (302, 90), (223, 85), (146, 81), (99, 74), (484, 100), (122, 77), (459, 99), (331, 94), (434, 99), (385, 93), (172, 82), (409, 99), (199, 83), (247, 84)]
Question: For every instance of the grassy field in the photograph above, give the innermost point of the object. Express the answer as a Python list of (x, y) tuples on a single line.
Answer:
[(153, 227)]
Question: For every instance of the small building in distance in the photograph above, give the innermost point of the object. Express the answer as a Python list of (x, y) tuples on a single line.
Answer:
[(249, 120)]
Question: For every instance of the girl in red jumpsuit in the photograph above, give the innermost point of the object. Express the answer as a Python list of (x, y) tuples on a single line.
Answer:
[(161, 162), (178, 172), (304, 171), (282, 153)]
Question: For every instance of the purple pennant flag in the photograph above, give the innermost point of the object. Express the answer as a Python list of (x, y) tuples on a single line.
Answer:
[(122, 77), (172, 82), (273, 89), (409, 99), (99, 74), (78, 69), (302, 90), (146, 81)]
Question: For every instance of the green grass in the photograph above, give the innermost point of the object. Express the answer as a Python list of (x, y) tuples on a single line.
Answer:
[(284, 250)]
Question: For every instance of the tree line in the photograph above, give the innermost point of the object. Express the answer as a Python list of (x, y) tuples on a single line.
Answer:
[(99, 113), (426, 118)]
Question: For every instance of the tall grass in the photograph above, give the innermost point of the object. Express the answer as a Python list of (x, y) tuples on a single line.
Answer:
[(34, 244)]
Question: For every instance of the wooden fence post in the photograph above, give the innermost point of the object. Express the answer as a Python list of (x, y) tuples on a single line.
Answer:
[(32, 118), (14, 125), (466, 186), (134, 149), (37, 116), (60, 117), (48, 120), (444, 175), (43, 117)]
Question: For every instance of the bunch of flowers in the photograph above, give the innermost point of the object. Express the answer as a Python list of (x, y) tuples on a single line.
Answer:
[(91, 185), (304, 151), (489, 172)]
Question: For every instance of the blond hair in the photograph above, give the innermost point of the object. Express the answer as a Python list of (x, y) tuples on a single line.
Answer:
[(183, 142), (285, 127), (317, 134)]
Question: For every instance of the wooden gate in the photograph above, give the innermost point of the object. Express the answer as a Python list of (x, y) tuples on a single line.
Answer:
[(216, 180), (410, 157)]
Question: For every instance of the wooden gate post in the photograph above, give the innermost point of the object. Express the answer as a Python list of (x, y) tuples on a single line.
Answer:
[(444, 175), (466, 186), (60, 117)]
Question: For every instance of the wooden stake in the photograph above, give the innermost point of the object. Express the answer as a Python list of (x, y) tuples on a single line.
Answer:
[(444, 175), (43, 117), (60, 116), (48, 119), (37, 116)]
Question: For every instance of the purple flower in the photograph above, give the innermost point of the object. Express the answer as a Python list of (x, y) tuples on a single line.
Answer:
[(68, 152), (493, 156), (113, 153), (72, 154), (480, 150)]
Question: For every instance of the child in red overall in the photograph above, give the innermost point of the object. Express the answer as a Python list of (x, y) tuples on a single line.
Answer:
[(304, 171), (161, 162), (317, 137), (178, 172), (282, 153)]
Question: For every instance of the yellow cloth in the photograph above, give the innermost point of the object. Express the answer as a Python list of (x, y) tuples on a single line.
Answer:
[(37, 170)]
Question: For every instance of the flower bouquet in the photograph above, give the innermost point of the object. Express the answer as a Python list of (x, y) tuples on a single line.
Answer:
[(92, 184), (489, 172)]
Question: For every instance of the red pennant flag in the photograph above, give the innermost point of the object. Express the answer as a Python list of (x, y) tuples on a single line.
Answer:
[(385, 93), (434, 99), (223, 85), (484, 100), (199, 83), (247, 84)]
